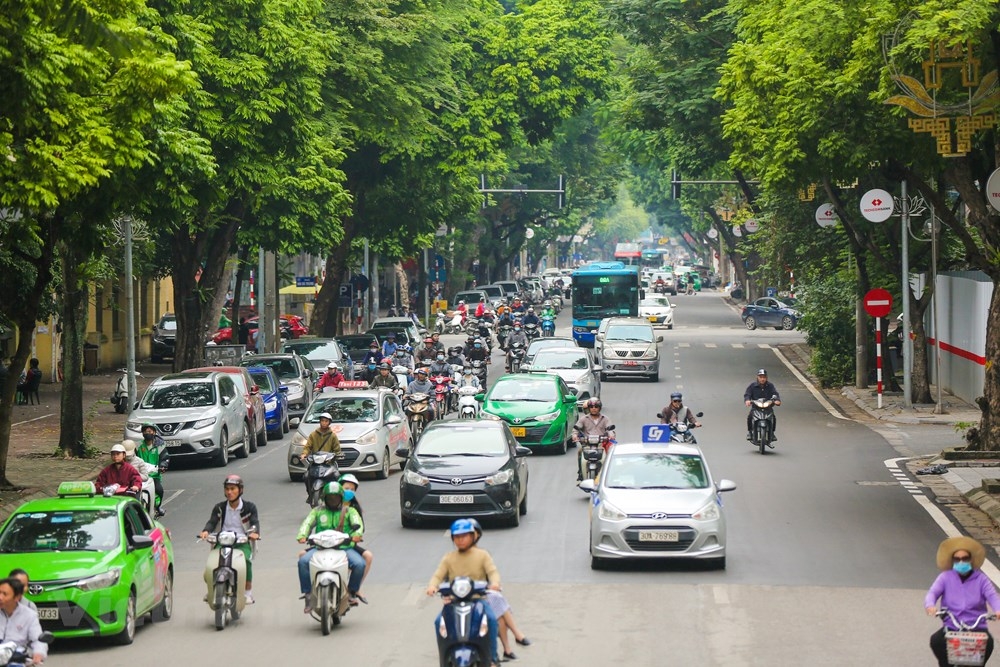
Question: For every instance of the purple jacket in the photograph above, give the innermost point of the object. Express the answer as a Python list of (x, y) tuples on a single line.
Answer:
[(965, 599)]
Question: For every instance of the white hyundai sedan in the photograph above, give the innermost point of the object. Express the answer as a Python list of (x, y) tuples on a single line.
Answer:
[(656, 500)]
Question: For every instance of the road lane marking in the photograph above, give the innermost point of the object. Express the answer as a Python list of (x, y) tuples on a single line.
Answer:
[(764, 346), (258, 456), (808, 385), (413, 596), (683, 344), (171, 497), (711, 345), (738, 346)]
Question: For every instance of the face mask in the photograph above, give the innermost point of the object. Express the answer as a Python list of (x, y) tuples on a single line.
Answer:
[(440, 357), (962, 568), (148, 436), (477, 346), (348, 495)]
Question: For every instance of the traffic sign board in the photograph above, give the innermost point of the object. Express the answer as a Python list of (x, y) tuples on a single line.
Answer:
[(305, 281), (878, 302), (344, 295)]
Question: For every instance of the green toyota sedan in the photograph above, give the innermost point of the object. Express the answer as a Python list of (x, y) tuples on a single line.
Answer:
[(95, 565), (539, 409)]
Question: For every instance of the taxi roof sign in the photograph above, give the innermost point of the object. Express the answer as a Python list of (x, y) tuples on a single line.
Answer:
[(77, 489), (656, 433)]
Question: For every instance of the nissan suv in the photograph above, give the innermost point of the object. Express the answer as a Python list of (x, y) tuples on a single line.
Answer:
[(628, 347), (199, 415)]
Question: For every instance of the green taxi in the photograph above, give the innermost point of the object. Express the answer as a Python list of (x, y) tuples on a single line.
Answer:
[(539, 408), (95, 565)]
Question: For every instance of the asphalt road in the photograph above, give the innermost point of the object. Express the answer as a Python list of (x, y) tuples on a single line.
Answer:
[(828, 555)]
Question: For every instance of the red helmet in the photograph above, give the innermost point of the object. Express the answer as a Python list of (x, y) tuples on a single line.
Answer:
[(428, 341)]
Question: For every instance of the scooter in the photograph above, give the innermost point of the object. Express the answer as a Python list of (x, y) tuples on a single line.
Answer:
[(119, 398), (417, 408), (762, 423), (442, 395), (548, 326), (13, 655), (439, 322), (966, 646), (502, 332), (479, 369), (329, 572), (226, 576), (463, 633), (531, 331), (468, 406), (146, 494), (594, 448), (321, 468), (402, 374), (455, 325), (682, 431), (516, 354)]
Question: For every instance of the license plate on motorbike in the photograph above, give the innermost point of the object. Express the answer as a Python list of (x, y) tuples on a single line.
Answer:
[(48, 614), (453, 499), (659, 536), (518, 431)]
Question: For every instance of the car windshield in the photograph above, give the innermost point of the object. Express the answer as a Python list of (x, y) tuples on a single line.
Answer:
[(655, 302), (263, 380), (550, 359), (355, 343), (187, 395), (461, 441), (493, 291), (168, 325), (537, 345), (283, 368), (81, 530), (636, 332), (524, 389), (656, 471), (324, 351), (344, 410)]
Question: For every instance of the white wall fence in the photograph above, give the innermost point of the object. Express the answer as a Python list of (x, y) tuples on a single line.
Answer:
[(963, 301)]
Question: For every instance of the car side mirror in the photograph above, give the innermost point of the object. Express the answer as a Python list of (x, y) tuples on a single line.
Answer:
[(392, 420), (611, 427), (587, 485), (600, 335), (574, 391), (283, 389), (224, 400), (725, 485), (659, 339), (136, 406), (596, 368), (306, 374), (659, 415), (697, 414), (481, 397), (569, 398), (403, 452), (141, 542), (520, 451)]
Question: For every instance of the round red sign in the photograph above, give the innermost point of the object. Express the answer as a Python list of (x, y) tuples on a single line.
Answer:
[(878, 302)]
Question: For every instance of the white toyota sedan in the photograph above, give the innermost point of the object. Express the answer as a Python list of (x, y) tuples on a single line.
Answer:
[(658, 310)]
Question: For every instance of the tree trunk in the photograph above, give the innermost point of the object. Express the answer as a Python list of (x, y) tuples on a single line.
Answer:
[(242, 270), (325, 321), (986, 437), (72, 439)]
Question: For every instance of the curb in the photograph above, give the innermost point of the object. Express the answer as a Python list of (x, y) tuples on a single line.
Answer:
[(985, 502)]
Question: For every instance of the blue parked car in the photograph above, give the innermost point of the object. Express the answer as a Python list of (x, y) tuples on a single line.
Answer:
[(275, 397), (771, 312)]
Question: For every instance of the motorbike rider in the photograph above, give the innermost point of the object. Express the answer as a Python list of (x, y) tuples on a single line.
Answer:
[(153, 451), (428, 352), (591, 423), (517, 336), (548, 310), (22, 576), (531, 318), (120, 472), (468, 378), (333, 515), (389, 345), (504, 317), (676, 411), (351, 484), (238, 515), (468, 560), (331, 378), (440, 366), (421, 385), (518, 308), (480, 310), (384, 379), (403, 358), (323, 439), (463, 309), (762, 388), (478, 352), (18, 622), (145, 470), (455, 356), (374, 354), (438, 345)]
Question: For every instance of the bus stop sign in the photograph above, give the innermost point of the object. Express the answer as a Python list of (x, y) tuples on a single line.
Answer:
[(878, 302)]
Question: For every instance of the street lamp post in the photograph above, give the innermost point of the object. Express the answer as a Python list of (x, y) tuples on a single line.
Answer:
[(129, 230)]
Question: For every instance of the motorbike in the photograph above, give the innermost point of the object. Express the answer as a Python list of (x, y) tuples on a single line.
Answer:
[(119, 398), (966, 646), (226, 576), (762, 423), (321, 468), (516, 356), (146, 495), (463, 633), (548, 326), (502, 332), (440, 322), (329, 572), (479, 370), (455, 325), (13, 655), (682, 431), (416, 407), (442, 394), (402, 374), (468, 406), (594, 448), (531, 331)]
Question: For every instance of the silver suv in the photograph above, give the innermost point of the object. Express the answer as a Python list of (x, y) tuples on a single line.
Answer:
[(628, 346), (198, 415)]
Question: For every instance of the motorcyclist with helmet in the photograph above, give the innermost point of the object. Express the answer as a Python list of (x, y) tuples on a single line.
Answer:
[(238, 515), (351, 484), (463, 309), (478, 351), (762, 388), (438, 345), (676, 411), (385, 379), (531, 318), (455, 356), (468, 378), (518, 308), (333, 514), (548, 310), (517, 336), (440, 366), (153, 451), (323, 439), (468, 560), (331, 378), (420, 385), (374, 354), (504, 317), (389, 345), (120, 472), (403, 358), (428, 352), (470, 342), (591, 423)]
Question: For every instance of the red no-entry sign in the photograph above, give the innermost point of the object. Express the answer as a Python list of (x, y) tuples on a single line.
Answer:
[(878, 302)]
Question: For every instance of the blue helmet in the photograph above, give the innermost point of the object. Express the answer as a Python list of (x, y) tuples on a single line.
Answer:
[(466, 526)]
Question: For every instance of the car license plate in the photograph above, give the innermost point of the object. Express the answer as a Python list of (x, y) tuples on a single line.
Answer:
[(452, 499), (652, 318), (518, 431), (630, 363), (173, 444), (48, 614), (659, 536)]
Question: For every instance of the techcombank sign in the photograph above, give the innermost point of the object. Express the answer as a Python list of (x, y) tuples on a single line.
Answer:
[(876, 205)]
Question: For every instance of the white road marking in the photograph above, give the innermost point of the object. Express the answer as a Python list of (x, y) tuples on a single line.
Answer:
[(171, 497), (711, 345), (28, 421), (808, 385), (258, 456), (683, 344), (764, 346), (738, 346)]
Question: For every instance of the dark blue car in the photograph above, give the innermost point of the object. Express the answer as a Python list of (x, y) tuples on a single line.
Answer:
[(275, 397), (771, 312)]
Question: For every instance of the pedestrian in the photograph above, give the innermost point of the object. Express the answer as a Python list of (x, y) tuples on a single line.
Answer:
[(243, 332)]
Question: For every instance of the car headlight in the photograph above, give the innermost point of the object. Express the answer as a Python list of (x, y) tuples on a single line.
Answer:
[(610, 512), (548, 417), (202, 423), (415, 478), (709, 512), (271, 404), (501, 477), (489, 415), (158, 339), (99, 581), (650, 353), (133, 426), (369, 438), (608, 353), (298, 440)]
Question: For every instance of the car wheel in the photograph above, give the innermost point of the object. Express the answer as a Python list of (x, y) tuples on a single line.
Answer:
[(603, 377), (250, 441), (274, 435), (383, 472), (750, 322), (408, 522), (222, 458), (244, 450), (515, 520), (522, 507), (295, 477), (787, 323), (261, 437), (127, 635), (164, 610), (655, 377), (284, 424), (670, 326)]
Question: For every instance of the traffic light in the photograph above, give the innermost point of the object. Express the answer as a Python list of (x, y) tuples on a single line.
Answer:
[(675, 184)]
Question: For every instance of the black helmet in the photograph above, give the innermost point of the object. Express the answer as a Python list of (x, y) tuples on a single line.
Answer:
[(761, 371), (676, 396), (384, 366)]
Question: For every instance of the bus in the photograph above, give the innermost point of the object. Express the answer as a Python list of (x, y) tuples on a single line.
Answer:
[(600, 290)]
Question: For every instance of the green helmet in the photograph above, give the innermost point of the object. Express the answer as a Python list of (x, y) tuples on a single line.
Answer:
[(333, 489)]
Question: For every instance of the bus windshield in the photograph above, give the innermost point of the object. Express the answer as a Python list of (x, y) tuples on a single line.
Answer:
[(598, 296)]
